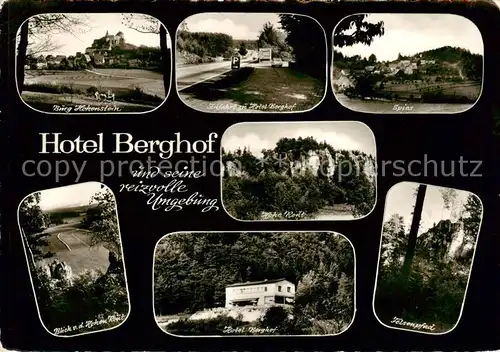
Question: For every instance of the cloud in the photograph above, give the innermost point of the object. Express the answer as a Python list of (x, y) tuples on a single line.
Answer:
[(250, 141), (226, 26), (255, 143)]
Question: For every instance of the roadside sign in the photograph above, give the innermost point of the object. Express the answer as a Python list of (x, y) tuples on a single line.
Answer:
[(235, 62)]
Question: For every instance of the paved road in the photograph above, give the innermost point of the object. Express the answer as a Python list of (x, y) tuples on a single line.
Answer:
[(190, 75), (69, 238)]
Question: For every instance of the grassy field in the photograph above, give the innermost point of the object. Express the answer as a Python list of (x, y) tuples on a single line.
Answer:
[(262, 88), (80, 256), (467, 88), (135, 90)]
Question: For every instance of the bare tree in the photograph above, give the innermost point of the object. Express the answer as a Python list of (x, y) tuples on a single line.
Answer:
[(42, 26), (43, 45), (148, 24)]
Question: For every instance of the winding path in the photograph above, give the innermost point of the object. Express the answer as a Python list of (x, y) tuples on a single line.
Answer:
[(60, 239), (67, 245)]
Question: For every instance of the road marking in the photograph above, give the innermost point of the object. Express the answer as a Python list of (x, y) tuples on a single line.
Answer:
[(206, 79), (72, 234), (117, 76), (59, 238)]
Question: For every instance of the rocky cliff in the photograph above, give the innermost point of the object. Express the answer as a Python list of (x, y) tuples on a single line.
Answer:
[(321, 161)]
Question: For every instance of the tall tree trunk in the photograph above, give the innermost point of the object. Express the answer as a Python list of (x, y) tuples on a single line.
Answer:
[(165, 55), (412, 238), (21, 55)]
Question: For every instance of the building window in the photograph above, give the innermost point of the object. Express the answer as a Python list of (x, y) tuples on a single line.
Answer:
[(265, 289), (279, 288), (288, 289)]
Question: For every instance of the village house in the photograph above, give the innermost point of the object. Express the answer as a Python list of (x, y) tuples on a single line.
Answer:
[(41, 65), (56, 60), (393, 66), (369, 68), (408, 70), (98, 60), (260, 293), (342, 83), (345, 72), (427, 62)]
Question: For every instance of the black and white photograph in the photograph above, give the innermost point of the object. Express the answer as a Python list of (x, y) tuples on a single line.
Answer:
[(427, 249), (73, 248), (407, 63), (298, 170), (93, 63), (268, 283), (251, 62)]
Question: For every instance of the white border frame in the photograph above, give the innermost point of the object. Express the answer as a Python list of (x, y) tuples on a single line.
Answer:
[(300, 122), (254, 232), (409, 112), (123, 262), (256, 111), (167, 94), (470, 267)]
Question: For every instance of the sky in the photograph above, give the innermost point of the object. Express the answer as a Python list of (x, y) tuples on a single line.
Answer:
[(264, 135), (240, 26), (82, 36), (409, 34), (68, 196), (401, 200)]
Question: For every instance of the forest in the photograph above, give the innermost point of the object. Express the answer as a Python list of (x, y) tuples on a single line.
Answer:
[(423, 278), (285, 182), (191, 271), (70, 300)]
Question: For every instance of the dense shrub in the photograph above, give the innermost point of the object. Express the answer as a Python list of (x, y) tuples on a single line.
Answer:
[(214, 326), (191, 272), (253, 186)]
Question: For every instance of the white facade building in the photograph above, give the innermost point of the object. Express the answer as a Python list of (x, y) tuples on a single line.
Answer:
[(260, 293)]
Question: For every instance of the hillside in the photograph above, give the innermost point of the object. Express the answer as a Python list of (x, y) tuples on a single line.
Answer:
[(73, 209), (297, 175)]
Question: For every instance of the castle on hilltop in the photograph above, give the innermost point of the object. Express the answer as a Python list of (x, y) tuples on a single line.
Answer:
[(108, 42)]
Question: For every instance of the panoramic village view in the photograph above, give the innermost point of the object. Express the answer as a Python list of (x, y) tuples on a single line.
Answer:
[(93, 63), (407, 63), (279, 69)]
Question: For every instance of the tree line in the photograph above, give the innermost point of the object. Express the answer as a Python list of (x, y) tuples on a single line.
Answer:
[(92, 295), (191, 272), (269, 186), (420, 278)]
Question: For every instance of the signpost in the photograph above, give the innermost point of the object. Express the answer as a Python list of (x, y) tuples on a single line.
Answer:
[(235, 62)]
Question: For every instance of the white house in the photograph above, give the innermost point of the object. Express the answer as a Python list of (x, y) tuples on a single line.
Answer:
[(260, 293), (342, 83), (408, 70)]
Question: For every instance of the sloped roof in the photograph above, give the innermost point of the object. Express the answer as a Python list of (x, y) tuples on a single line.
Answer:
[(252, 283)]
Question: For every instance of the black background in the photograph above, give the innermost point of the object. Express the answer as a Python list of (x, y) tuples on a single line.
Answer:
[(398, 137)]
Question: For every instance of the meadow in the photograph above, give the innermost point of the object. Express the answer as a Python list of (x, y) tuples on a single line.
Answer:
[(71, 244), (134, 89)]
